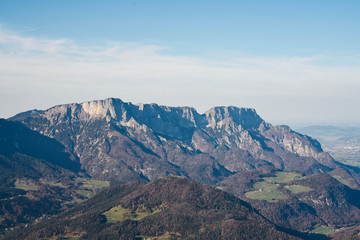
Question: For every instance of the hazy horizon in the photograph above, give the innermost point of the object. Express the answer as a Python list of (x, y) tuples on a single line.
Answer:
[(296, 63)]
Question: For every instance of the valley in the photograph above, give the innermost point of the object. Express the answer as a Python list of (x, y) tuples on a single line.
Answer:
[(343, 143)]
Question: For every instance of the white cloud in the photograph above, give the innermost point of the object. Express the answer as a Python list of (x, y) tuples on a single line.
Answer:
[(39, 73)]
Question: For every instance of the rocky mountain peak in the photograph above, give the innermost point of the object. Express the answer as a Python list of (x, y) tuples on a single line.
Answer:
[(247, 118), (102, 108), (82, 111)]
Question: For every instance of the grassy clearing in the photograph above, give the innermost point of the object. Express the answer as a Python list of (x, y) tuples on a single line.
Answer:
[(166, 236), (283, 177), (323, 230), (88, 186), (86, 193), (270, 196), (265, 191), (52, 183), (86, 183), (344, 181), (26, 185), (99, 183), (119, 213), (68, 236), (92, 183), (85, 187), (298, 189)]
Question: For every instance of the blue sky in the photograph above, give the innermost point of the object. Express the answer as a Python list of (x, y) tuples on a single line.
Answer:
[(296, 62), (277, 28)]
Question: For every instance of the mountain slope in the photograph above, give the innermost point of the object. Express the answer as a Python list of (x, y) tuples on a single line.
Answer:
[(175, 208), (37, 177), (17, 141), (299, 202)]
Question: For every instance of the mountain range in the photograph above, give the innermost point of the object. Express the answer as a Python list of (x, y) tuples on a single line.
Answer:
[(118, 141), (285, 176)]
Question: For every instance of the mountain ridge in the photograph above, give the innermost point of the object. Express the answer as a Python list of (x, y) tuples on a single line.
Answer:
[(178, 137)]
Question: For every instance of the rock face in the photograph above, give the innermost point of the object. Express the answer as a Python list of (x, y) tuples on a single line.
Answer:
[(120, 141)]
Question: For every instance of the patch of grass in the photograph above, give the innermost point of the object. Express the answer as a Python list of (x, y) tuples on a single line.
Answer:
[(270, 196), (119, 213), (99, 183), (165, 236), (52, 183), (268, 189), (265, 191), (283, 177), (323, 230), (344, 181), (140, 214), (298, 189), (92, 183), (86, 193), (68, 236), (73, 236), (26, 185), (266, 186), (88, 186)]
